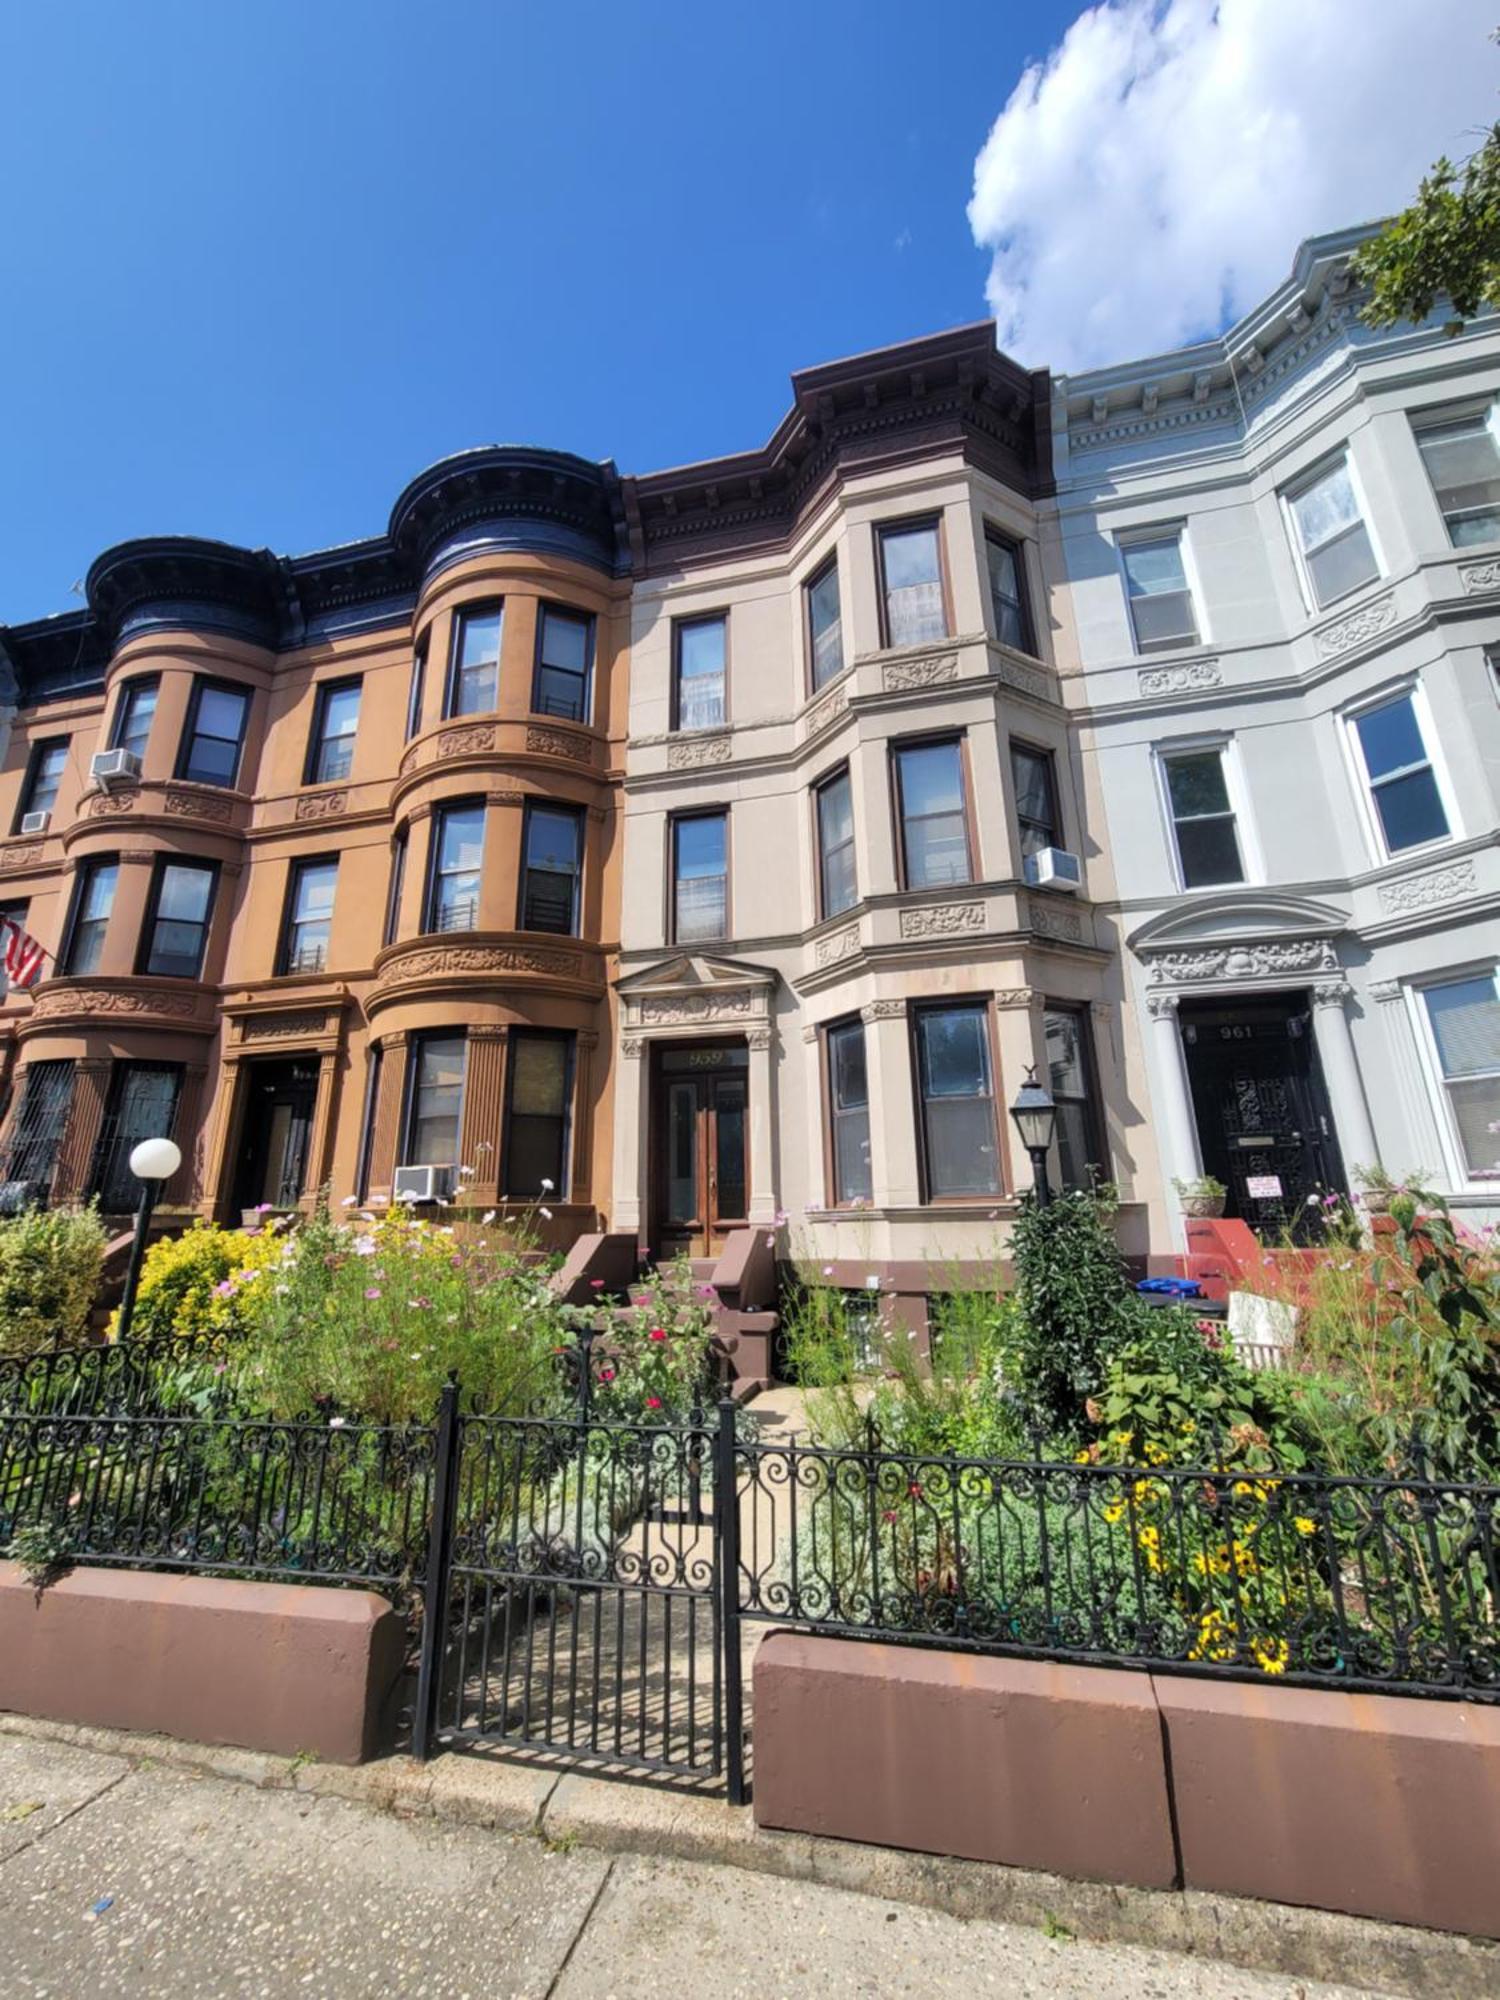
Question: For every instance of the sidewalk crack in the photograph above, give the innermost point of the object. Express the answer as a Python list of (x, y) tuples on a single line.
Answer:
[(63, 1818), (588, 1918)]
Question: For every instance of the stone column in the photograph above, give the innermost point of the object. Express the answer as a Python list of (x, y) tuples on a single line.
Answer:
[(820, 1192), (223, 1141), (895, 1182), (762, 1129), (1346, 1092), (628, 1209), (81, 1130), (483, 1113), (1172, 1099), (184, 1188), (1421, 1140), (1018, 1023), (320, 1139)]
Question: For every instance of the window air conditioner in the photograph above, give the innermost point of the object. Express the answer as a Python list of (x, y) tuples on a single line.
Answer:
[(422, 1183), (1054, 868), (34, 822), (112, 768)]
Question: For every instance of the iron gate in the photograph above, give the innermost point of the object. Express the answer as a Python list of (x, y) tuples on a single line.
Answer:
[(574, 1600)]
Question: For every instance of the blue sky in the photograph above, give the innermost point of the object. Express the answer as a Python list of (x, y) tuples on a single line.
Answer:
[(262, 263)]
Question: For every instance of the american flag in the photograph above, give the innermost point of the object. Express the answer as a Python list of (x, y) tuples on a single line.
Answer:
[(23, 955)]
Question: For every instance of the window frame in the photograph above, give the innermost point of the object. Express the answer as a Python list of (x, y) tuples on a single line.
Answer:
[(905, 524), (563, 1190), (841, 773), (1304, 483), (1226, 747), (103, 1162), (1414, 993), (202, 684), (34, 756), (296, 869), (319, 739), (90, 866), (1414, 690), (146, 944), (562, 808), (410, 1088), (439, 816), (679, 626), (828, 567), (1048, 757), (979, 1004), (1016, 548), (125, 699), (674, 822), (584, 719), (416, 689), (9, 909), (395, 884), (895, 746), (1143, 536), (462, 615), (834, 1197), (1445, 417), (1096, 1126)]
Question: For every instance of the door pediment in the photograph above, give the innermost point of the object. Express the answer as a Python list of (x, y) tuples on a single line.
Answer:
[(694, 989), (1246, 935)]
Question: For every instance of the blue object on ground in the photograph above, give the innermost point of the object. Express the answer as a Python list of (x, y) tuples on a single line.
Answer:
[(1176, 1288)]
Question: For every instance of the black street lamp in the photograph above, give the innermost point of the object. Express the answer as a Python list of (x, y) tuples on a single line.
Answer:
[(1036, 1120), (152, 1162)]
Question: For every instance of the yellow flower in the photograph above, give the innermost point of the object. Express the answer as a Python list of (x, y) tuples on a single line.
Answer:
[(1114, 1511), (1270, 1655), (1304, 1526)]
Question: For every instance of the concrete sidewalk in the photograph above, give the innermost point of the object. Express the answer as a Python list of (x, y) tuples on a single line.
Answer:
[(119, 1876)]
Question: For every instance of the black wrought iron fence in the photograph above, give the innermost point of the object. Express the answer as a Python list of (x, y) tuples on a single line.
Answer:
[(1389, 1584), (127, 1378), (316, 1501)]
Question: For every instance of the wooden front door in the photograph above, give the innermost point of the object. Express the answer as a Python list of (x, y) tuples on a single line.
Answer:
[(700, 1141)]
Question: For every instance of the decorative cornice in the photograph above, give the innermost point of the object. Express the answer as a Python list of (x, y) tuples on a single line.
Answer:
[(1192, 677), (909, 676), (1280, 958), (1049, 921), (883, 1010), (692, 753), (1477, 578), (837, 945), (1356, 627), (942, 920), (1420, 892)]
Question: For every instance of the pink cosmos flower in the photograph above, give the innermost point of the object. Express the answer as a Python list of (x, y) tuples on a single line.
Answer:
[(372, 1291), (658, 1333), (653, 1402)]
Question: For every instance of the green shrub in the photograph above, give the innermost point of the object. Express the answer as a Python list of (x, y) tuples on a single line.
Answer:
[(196, 1285), (50, 1265)]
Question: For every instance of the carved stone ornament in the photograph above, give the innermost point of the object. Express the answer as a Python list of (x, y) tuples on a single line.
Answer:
[(1420, 892), (828, 710), (907, 676), (1384, 990), (670, 1009), (883, 1010), (109, 803), (1162, 1006), (470, 741), (281, 1027), (839, 945), (322, 805), (632, 1048), (1357, 627), (450, 959), (1017, 996), (1016, 674), (758, 1038), (1190, 678), (558, 743), (21, 857), (198, 805), (1050, 922), (1331, 992), (115, 1000), (942, 920), (810, 1032), (1476, 578), (694, 753), (1275, 959)]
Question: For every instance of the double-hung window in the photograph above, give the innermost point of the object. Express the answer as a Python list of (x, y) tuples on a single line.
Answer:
[(539, 1082), (93, 899), (1159, 594), (564, 655), (453, 879), (553, 845), (700, 648), (416, 687), (142, 1104), (396, 885), (133, 716), (330, 755), (1008, 592), (309, 916), (933, 814), (215, 733), (1462, 456), (700, 877), (43, 778), (1070, 1072), (1330, 533), (1464, 1015), (960, 1145), (1398, 769), (34, 1135), (825, 624), (1203, 818), (849, 1111), (837, 888), (911, 583), (177, 917), (474, 671), (1035, 780), (434, 1104), (15, 913)]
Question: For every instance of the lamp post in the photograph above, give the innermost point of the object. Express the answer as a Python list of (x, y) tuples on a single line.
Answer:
[(152, 1162), (1036, 1120)]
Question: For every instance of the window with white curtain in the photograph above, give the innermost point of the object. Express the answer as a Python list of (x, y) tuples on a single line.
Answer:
[(1464, 1016)]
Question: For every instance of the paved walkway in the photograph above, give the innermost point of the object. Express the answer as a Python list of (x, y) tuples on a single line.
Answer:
[(128, 1878)]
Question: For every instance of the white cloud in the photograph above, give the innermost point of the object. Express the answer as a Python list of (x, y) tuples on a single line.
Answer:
[(1152, 178)]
